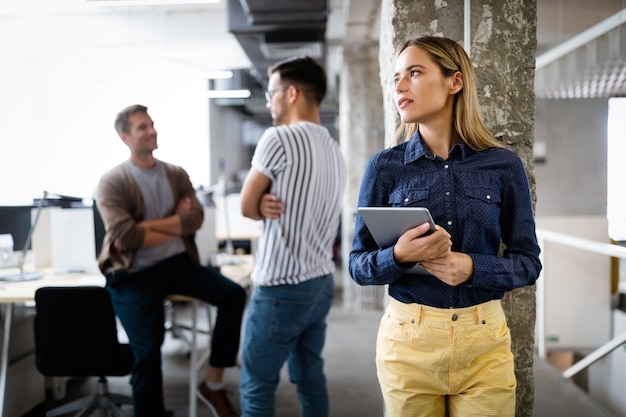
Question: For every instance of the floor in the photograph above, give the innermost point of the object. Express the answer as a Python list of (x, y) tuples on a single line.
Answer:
[(351, 378)]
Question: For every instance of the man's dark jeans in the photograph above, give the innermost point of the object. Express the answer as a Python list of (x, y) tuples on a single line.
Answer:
[(138, 301)]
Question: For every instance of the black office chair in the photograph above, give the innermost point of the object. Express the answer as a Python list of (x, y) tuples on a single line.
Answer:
[(76, 336)]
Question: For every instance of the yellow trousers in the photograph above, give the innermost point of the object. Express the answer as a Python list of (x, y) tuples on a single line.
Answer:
[(430, 360)]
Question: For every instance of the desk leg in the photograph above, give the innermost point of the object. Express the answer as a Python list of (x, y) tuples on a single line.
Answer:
[(4, 360), (193, 374)]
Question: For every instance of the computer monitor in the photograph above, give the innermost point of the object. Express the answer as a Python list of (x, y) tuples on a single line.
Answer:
[(16, 221)]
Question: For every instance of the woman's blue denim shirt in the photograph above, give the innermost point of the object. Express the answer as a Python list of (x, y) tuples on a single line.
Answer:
[(481, 198)]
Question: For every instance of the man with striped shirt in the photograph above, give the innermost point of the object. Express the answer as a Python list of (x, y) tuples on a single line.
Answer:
[(295, 185)]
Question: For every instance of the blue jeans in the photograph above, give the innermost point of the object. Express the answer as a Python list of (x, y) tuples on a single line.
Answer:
[(286, 323), (138, 301)]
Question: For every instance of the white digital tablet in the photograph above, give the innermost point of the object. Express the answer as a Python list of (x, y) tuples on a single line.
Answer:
[(386, 224)]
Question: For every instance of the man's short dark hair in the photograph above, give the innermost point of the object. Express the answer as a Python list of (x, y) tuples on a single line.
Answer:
[(122, 123), (304, 72)]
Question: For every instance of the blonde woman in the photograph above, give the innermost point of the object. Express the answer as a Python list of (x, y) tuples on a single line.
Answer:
[(443, 344)]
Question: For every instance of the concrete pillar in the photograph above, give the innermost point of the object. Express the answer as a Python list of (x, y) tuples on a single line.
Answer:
[(502, 47), (361, 135)]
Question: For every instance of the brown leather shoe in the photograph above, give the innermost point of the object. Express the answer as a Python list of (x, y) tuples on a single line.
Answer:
[(217, 401)]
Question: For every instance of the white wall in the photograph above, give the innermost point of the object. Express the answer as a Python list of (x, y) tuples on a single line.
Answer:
[(63, 77), (229, 153), (577, 285), (572, 181)]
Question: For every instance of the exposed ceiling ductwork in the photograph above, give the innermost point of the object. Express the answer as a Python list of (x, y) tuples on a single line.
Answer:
[(271, 30), (591, 64)]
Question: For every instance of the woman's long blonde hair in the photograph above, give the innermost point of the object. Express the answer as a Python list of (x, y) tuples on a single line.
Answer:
[(451, 57)]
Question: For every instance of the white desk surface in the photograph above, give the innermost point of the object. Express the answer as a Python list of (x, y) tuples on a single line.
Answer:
[(22, 291), (235, 267)]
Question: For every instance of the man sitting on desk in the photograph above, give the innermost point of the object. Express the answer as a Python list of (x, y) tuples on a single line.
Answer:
[(150, 212)]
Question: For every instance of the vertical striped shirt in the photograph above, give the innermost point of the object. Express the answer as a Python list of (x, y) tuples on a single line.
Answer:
[(308, 174)]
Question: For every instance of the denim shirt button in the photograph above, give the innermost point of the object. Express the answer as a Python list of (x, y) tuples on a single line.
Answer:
[(406, 199), (449, 222), (488, 197)]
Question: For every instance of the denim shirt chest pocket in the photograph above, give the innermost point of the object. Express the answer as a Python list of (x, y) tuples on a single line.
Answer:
[(484, 204), (408, 197)]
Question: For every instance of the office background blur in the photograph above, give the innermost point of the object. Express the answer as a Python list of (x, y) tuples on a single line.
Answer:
[(66, 68)]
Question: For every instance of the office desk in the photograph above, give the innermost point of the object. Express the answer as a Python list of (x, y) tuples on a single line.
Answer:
[(12, 293), (237, 268)]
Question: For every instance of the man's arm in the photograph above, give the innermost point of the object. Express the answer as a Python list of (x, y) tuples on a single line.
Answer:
[(153, 237), (254, 188), (158, 231)]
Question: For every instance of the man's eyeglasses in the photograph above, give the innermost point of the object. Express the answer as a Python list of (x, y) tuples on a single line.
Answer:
[(270, 93)]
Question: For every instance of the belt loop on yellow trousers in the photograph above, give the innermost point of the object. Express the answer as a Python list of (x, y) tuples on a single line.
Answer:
[(479, 311), (418, 313)]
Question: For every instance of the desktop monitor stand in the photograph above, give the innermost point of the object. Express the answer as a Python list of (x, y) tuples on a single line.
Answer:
[(22, 276), (27, 276)]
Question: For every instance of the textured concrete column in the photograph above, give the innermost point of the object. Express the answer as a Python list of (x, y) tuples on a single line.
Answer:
[(361, 135), (502, 47)]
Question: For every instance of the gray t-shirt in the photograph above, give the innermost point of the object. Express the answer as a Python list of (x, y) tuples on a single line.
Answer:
[(158, 202)]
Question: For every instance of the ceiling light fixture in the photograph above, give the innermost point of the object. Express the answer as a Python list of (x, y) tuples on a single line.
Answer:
[(228, 93), (218, 75), (104, 3)]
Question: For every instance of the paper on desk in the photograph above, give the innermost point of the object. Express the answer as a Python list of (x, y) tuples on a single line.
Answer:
[(97, 280)]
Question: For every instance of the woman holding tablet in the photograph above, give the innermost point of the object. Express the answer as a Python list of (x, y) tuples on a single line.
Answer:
[(443, 344)]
